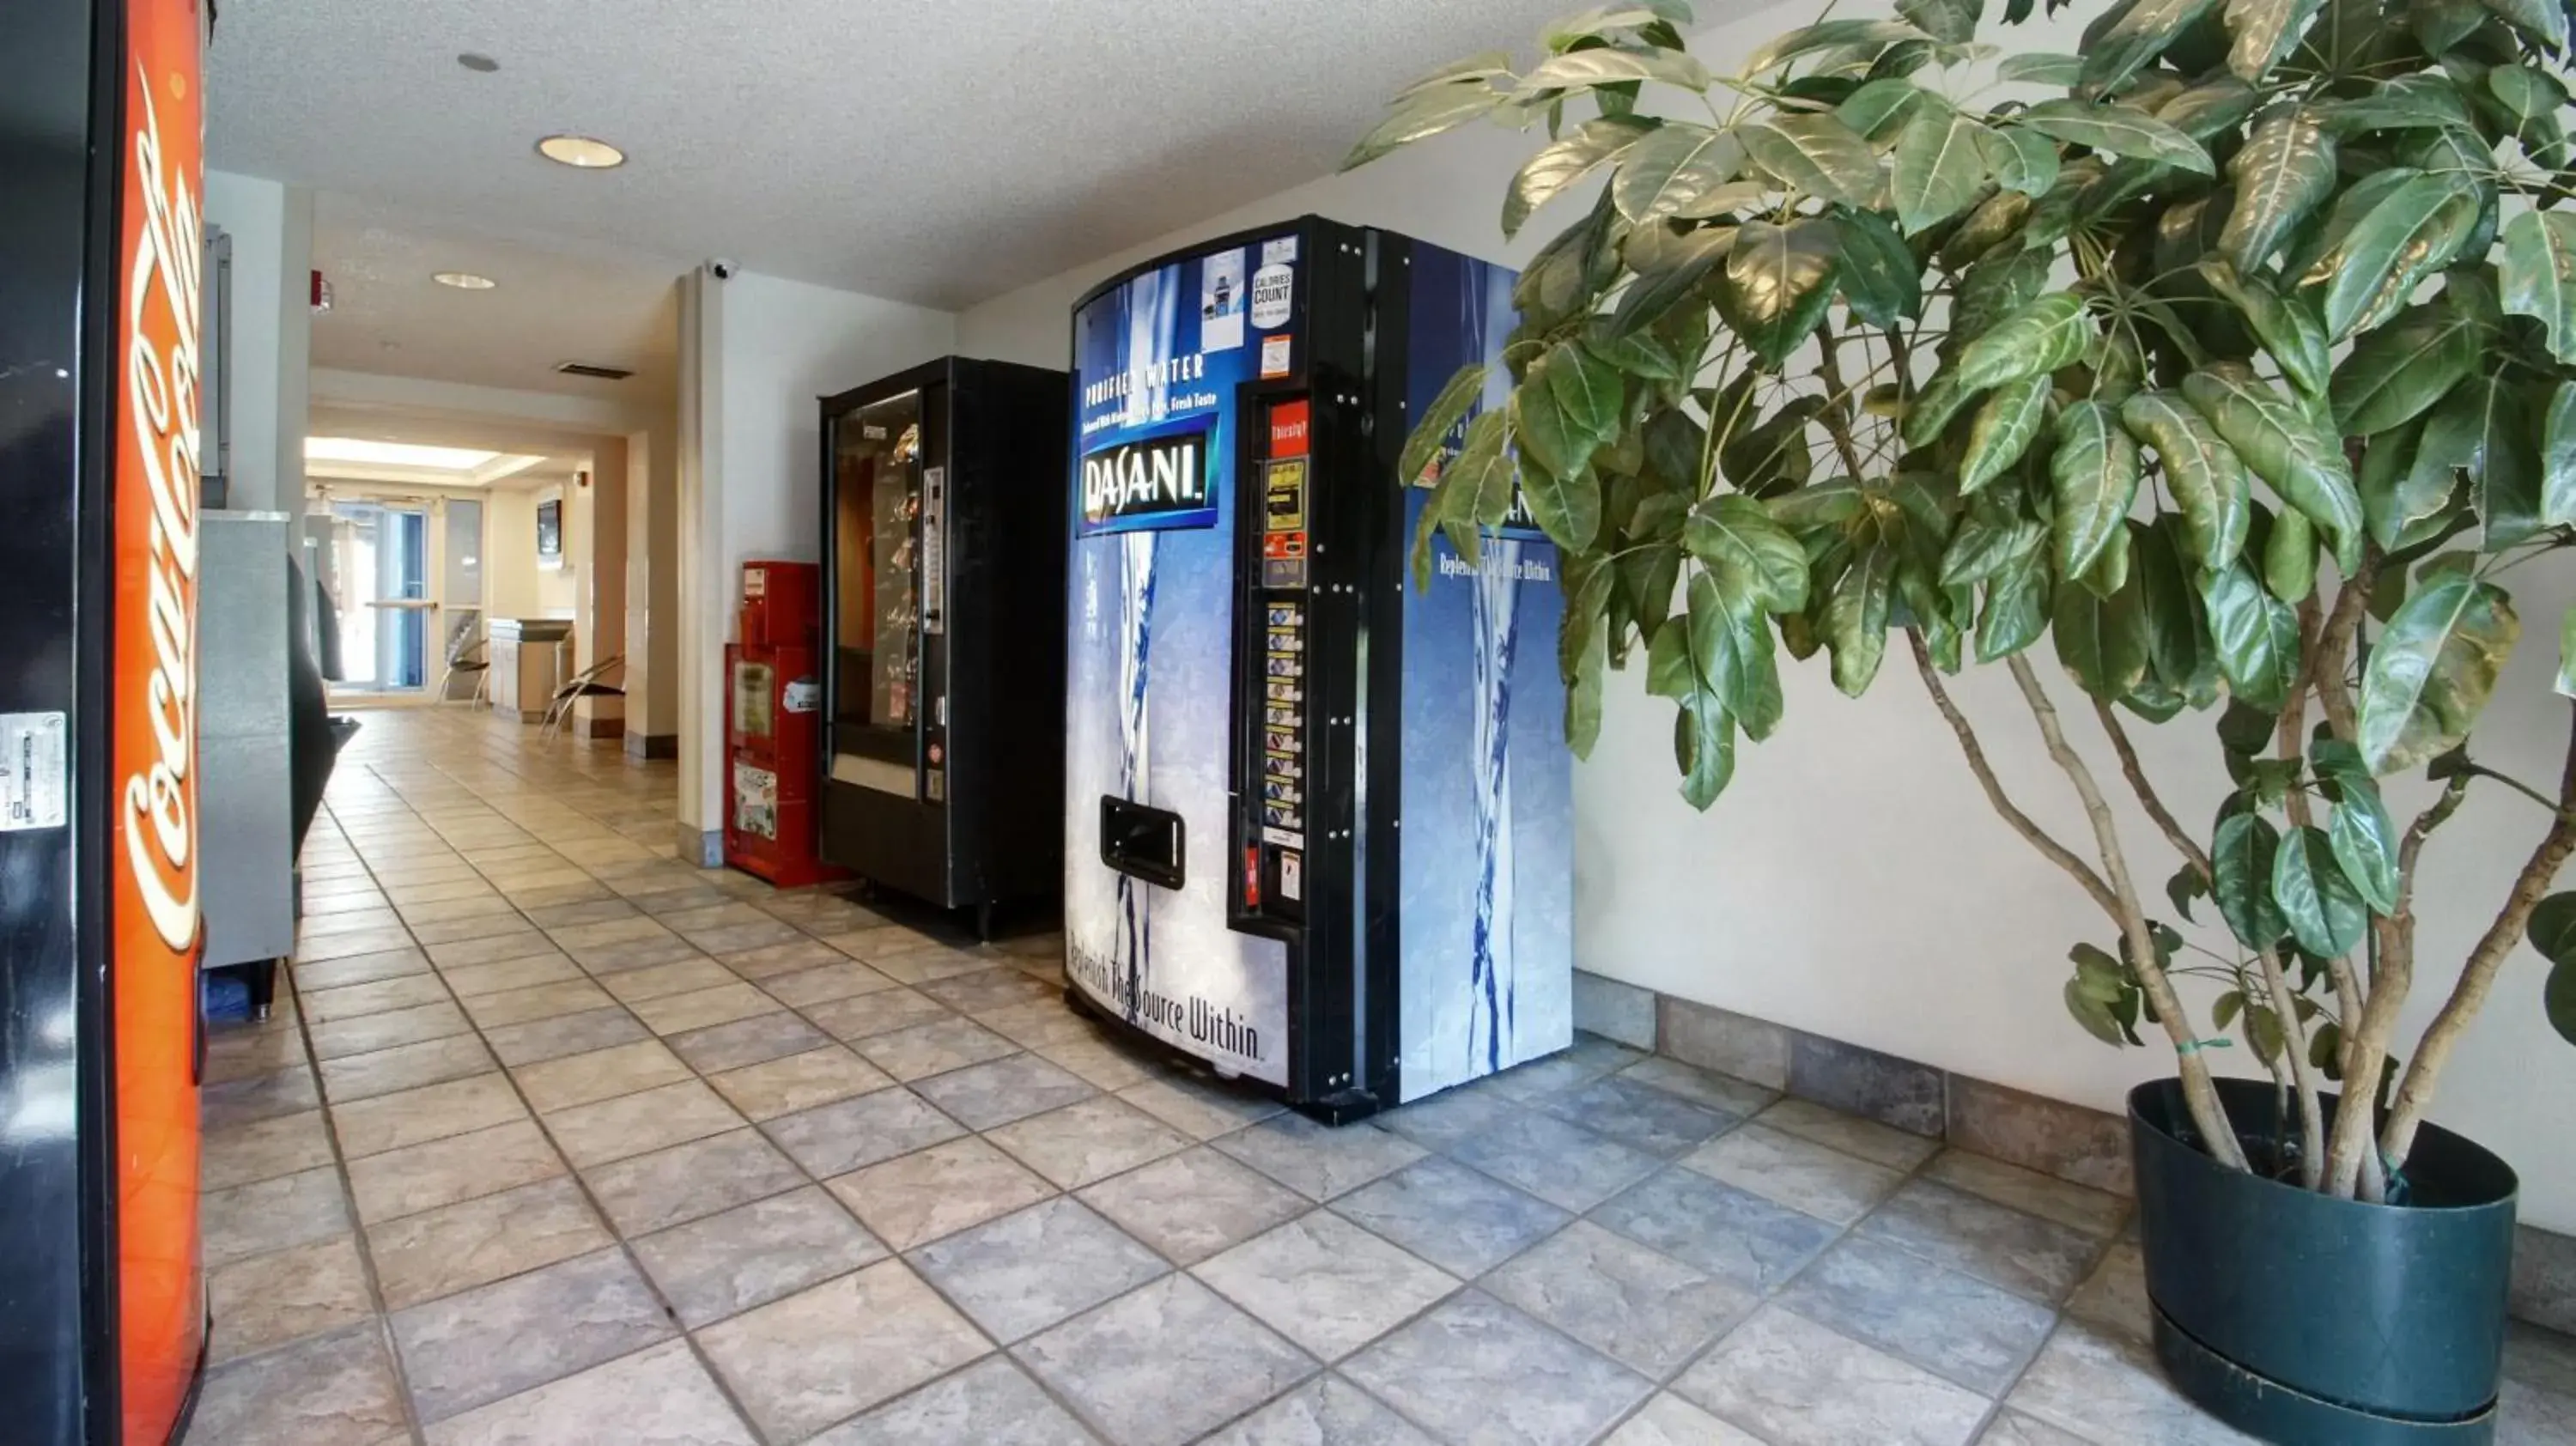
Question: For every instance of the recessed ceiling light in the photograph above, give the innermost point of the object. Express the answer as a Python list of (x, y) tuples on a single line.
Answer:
[(582, 151), (465, 281), (480, 64), (394, 454)]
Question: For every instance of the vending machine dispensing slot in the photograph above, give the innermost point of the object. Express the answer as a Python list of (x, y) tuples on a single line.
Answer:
[(1146, 843)]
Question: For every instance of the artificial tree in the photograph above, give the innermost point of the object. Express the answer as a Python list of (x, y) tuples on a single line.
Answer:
[(1881, 334)]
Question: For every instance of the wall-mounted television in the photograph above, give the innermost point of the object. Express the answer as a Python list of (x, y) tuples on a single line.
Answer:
[(550, 531)]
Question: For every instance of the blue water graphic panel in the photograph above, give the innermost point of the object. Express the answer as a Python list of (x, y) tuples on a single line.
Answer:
[(1150, 656), (1488, 936)]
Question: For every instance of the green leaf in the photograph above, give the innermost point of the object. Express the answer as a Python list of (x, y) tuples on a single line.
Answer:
[(2037, 339), (2408, 236), (1582, 69), (2286, 325), (1431, 434), (2565, 683), (1567, 509), (2558, 1001), (2003, 431), (2530, 94), (1480, 487), (1880, 107), (2287, 447), (1828, 34), (2397, 373), (2118, 130), (2408, 476), (1779, 280), (2185, 886), (1482, 66), (2092, 1013), (2176, 630), (2408, 102), (1422, 114), (2037, 68), (1880, 278), (1816, 154), (2539, 273), (2486, 425), (1654, 293), (2433, 669), (2229, 1005), (1937, 168), (2137, 36), (1731, 645), (2558, 458), (2242, 856), (2285, 169), (1704, 746), (1752, 555), (2021, 160), (1952, 22), (2290, 558), (2363, 838), (2101, 642), (2098, 973), (1546, 175), (1673, 169), (1981, 551), (2204, 474), (2551, 929), (2016, 610), (1583, 681), (1855, 618), (2257, 636), (1588, 391), (2324, 911), (2542, 20), (1829, 504), (2261, 32), (2093, 475), (2216, 105)]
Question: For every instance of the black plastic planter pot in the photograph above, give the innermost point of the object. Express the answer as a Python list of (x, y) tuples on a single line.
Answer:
[(2303, 1319)]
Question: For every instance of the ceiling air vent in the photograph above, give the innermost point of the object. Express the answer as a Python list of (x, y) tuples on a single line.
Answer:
[(585, 369)]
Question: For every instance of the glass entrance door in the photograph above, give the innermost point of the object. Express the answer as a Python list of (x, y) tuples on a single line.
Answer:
[(385, 623)]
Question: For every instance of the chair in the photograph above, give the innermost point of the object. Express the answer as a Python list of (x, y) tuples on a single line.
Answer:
[(584, 684), (466, 653)]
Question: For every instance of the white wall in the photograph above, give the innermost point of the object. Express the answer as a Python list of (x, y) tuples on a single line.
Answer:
[(510, 555), (1853, 882), (756, 351), (271, 225)]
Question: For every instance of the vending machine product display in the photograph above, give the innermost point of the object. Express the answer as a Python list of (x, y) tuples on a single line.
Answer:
[(943, 610), (1318, 822), (773, 726), (102, 1291)]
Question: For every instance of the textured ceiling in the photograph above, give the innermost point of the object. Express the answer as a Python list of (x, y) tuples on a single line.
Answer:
[(938, 153), (555, 302), (564, 449)]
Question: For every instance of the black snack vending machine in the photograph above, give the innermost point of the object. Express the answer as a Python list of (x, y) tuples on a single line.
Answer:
[(943, 627)]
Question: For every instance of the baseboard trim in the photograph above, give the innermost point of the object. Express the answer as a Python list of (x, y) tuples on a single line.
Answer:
[(598, 730), (703, 849), (643, 746), (2053, 1137)]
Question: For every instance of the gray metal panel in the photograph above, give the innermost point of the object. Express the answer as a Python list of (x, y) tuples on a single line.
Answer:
[(245, 793)]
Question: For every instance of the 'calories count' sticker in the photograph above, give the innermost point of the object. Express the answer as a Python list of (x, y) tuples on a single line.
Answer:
[(1273, 288)]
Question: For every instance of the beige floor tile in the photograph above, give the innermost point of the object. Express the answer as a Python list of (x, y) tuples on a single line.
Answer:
[(679, 1013), (798, 1082), (802, 1363), (917, 1198), (635, 1124), (433, 1112), (268, 1300), (474, 1242), (659, 1396), (458, 1167), (580, 1079)]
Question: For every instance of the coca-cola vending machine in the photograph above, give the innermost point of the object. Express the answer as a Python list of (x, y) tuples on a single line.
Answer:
[(773, 708), (102, 1295)]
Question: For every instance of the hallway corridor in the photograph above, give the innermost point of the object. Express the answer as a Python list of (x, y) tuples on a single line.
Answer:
[(560, 1141)]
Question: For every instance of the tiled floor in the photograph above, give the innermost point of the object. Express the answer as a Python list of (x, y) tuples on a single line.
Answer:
[(563, 1142)]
